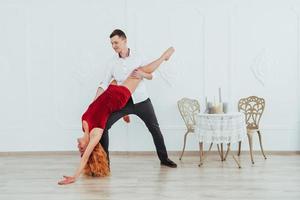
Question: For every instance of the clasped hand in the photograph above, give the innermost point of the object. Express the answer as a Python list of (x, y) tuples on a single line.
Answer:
[(137, 73)]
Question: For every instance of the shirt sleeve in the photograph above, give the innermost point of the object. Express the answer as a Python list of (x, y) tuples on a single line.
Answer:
[(107, 77)]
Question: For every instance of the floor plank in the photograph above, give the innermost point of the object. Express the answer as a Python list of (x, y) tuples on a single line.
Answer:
[(141, 177)]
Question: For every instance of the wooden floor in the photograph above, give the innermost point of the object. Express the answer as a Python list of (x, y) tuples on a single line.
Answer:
[(141, 177)]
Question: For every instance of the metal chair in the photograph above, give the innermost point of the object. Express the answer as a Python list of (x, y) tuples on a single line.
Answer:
[(253, 108), (188, 108)]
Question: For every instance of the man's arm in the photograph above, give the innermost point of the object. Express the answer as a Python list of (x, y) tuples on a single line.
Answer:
[(140, 74), (105, 82), (100, 90)]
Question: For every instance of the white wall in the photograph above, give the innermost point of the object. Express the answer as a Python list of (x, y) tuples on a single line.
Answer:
[(53, 53)]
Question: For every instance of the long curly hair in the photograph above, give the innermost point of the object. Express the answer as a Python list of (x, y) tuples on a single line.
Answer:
[(97, 164)]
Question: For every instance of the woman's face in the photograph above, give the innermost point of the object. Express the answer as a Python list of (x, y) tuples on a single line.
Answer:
[(82, 144)]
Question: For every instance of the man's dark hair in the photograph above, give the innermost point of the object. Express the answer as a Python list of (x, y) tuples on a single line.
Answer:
[(119, 33)]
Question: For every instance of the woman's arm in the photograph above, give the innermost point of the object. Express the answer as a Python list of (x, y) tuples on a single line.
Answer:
[(94, 140)]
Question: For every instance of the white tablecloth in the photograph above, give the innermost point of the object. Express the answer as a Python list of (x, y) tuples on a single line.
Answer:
[(221, 128)]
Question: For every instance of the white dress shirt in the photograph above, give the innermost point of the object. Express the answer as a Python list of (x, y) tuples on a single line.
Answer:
[(120, 68)]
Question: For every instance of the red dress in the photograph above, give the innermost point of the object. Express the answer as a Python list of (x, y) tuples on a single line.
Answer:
[(114, 98)]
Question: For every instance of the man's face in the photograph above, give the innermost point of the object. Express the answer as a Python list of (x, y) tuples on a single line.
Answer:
[(118, 43)]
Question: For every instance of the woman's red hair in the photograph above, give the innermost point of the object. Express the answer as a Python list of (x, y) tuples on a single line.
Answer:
[(97, 164)]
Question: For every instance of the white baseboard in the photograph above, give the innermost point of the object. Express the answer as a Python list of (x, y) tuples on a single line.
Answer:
[(135, 153)]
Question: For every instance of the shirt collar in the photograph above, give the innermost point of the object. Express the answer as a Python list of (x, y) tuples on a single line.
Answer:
[(128, 54)]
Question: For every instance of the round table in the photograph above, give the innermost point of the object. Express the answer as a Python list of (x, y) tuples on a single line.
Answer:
[(220, 128)]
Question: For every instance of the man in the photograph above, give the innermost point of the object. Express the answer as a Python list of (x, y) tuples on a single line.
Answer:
[(139, 104)]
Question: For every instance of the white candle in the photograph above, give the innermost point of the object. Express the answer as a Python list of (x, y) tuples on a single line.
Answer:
[(220, 98)]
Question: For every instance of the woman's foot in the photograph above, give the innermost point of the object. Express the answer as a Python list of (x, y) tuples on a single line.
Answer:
[(168, 53)]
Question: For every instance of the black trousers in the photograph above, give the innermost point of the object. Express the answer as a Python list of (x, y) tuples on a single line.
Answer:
[(145, 111)]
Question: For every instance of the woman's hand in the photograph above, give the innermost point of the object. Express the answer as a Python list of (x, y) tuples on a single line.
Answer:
[(67, 180)]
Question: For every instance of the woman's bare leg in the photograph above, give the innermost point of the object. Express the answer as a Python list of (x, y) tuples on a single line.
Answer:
[(151, 67), (131, 83)]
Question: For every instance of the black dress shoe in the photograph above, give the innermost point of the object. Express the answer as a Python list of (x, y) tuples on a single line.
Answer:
[(168, 163)]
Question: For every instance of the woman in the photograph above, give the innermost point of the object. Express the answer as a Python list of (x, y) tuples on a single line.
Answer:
[(93, 158)]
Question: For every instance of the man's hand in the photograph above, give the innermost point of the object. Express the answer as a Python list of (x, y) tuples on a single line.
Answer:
[(67, 180), (126, 118), (113, 82), (137, 73)]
